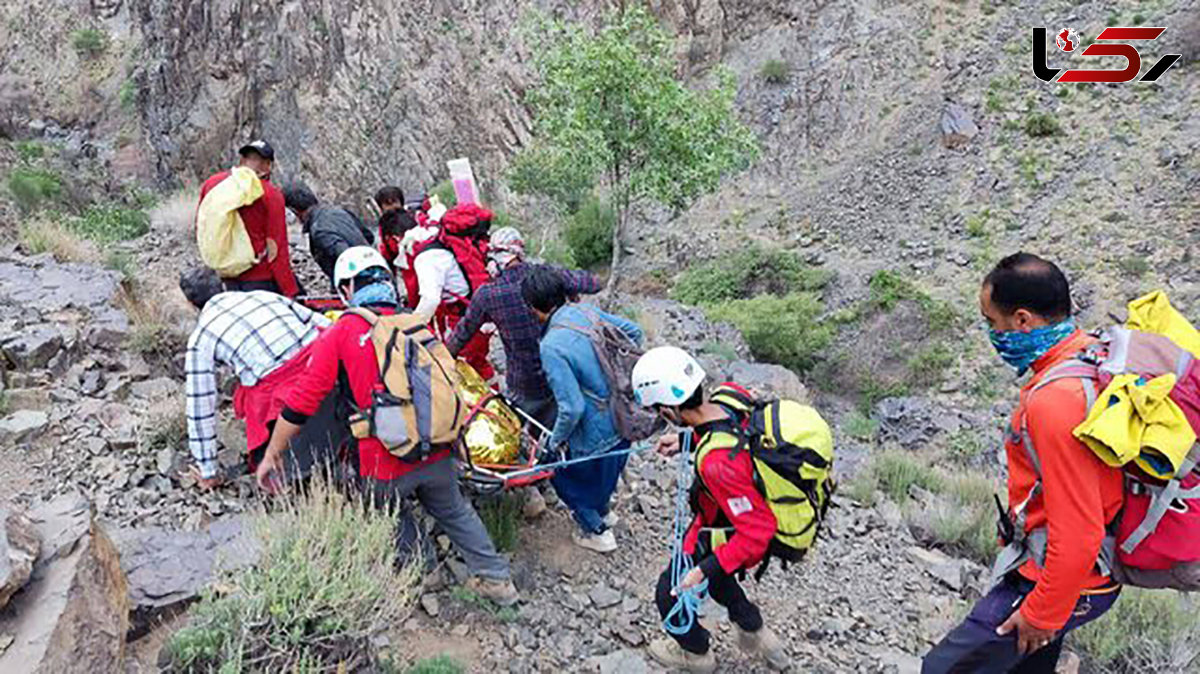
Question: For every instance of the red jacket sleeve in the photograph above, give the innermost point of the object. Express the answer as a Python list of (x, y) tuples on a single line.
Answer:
[(318, 378), (281, 267), (1072, 477), (731, 483)]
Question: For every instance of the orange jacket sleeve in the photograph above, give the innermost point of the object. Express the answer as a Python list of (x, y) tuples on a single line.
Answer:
[(1072, 480)]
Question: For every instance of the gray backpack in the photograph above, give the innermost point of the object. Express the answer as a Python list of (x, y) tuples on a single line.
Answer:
[(617, 354)]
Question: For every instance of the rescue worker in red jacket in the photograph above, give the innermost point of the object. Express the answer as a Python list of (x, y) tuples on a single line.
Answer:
[(266, 224), (726, 505), (345, 352)]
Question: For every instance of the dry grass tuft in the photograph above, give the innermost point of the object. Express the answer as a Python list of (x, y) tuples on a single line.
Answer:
[(43, 235)]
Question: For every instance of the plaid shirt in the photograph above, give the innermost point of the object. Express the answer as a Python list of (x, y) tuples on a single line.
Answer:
[(500, 302), (253, 333)]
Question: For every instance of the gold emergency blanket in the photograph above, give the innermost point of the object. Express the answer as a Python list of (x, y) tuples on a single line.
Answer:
[(493, 436)]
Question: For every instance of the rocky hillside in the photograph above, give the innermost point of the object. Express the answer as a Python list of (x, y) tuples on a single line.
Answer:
[(904, 147)]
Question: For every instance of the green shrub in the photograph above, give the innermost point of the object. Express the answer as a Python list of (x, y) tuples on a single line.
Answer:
[(1134, 266), (1041, 124), (123, 263), (128, 94), (442, 664), (977, 225), (1146, 631), (859, 425), (501, 514), (89, 42), (589, 234), (29, 150), (747, 273), (776, 71), (325, 583), (927, 367), (720, 350), (32, 187), (782, 330), (444, 191), (111, 223)]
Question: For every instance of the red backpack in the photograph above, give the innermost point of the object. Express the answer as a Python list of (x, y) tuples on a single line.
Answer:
[(1155, 541), (463, 231)]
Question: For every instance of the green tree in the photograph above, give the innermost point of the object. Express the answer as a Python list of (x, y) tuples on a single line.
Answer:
[(610, 114)]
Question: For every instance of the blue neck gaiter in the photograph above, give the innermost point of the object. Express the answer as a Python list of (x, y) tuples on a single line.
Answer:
[(375, 293), (1021, 349)]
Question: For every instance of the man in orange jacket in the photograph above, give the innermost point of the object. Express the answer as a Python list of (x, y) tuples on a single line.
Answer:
[(1053, 577)]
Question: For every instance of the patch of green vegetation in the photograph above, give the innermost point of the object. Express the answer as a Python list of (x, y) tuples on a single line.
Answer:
[(999, 93), (896, 473), (89, 42), (123, 263), (927, 367), (720, 350), (977, 225), (1146, 631), (31, 188), (1135, 266), (442, 664), (1139, 19), (776, 71), (752, 271), (501, 514), (444, 191), (468, 598), (589, 234), (1041, 125), (29, 150), (325, 582), (860, 426), (965, 446), (110, 223), (1029, 164), (127, 96), (783, 330)]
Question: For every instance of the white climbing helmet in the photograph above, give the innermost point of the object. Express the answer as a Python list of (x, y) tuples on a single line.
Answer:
[(666, 375), (354, 261)]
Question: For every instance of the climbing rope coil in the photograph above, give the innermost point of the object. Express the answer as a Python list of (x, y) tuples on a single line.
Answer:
[(682, 616)]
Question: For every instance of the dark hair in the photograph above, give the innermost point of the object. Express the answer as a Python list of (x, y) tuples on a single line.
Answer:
[(396, 223), (1026, 281), (543, 289), (199, 285), (696, 399), (389, 194), (299, 198)]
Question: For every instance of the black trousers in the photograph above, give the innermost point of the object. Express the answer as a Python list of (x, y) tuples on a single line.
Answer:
[(726, 591)]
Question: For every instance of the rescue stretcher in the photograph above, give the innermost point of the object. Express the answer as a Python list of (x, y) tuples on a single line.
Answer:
[(499, 443)]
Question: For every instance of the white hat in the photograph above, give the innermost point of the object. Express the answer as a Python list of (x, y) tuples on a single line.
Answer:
[(666, 375), (354, 261)]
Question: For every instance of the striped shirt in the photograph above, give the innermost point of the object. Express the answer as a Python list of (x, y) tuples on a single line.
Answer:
[(251, 332)]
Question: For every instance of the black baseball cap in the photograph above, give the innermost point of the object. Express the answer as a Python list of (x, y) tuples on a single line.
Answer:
[(259, 147)]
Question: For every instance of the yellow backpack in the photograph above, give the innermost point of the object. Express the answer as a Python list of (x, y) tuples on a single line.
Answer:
[(792, 451), (415, 409)]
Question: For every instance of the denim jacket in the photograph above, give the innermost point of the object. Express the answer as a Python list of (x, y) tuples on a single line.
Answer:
[(584, 421)]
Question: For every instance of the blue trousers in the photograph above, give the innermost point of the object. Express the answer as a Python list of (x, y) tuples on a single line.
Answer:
[(974, 647), (588, 487)]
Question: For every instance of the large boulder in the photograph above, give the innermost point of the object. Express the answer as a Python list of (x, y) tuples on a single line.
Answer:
[(773, 381), (33, 346), (74, 613), (22, 426), (19, 547), (167, 569)]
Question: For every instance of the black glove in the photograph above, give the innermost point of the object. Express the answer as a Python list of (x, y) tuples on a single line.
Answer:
[(552, 454)]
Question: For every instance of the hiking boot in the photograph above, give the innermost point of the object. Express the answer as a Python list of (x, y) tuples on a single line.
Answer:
[(535, 504), (672, 656), (605, 542), (500, 592), (765, 644), (611, 519)]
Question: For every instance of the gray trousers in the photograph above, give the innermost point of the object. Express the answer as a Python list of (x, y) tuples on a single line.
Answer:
[(436, 488)]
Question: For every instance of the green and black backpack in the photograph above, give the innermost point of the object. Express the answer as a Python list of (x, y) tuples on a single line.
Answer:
[(792, 451)]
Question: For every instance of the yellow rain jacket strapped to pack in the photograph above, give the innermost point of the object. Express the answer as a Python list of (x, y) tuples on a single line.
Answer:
[(1135, 420), (220, 233)]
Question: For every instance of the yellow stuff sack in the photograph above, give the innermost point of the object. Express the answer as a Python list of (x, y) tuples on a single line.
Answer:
[(1154, 313), (792, 448), (220, 233)]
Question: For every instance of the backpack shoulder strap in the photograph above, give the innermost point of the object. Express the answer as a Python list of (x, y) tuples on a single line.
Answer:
[(366, 314)]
